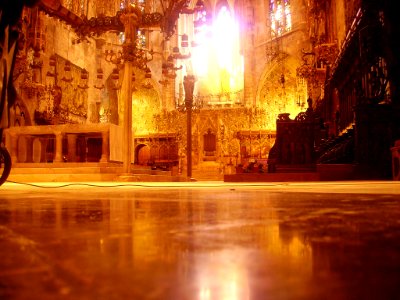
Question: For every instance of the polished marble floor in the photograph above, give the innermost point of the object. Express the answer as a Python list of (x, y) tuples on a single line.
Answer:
[(199, 240)]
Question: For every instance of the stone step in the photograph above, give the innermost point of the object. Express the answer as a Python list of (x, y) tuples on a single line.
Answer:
[(272, 177), (67, 170), (203, 176), (94, 178), (61, 177), (80, 168), (207, 171), (73, 172)]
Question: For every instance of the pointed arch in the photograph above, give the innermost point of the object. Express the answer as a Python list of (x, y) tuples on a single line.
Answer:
[(280, 17), (276, 96)]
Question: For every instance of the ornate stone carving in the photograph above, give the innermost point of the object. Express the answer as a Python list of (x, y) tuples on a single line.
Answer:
[(326, 53), (63, 101)]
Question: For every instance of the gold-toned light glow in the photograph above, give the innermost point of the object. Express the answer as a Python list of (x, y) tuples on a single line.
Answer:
[(277, 96), (280, 15), (216, 60), (226, 280), (201, 52)]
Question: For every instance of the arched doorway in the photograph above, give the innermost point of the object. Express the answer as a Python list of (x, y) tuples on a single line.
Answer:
[(210, 145), (142, 154)]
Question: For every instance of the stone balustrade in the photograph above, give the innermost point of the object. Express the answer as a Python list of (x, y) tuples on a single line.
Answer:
[(29, 143)]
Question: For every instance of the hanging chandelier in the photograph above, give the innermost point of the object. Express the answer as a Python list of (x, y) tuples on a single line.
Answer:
[(132, 16)]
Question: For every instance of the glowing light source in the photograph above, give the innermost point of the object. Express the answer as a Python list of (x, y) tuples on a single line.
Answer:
[(216, 59), (280, 16)]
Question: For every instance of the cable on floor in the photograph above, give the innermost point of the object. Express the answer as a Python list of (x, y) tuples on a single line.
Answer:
[(132, 185)]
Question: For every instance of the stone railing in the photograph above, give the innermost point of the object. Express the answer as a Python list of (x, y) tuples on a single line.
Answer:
[(31, 144)]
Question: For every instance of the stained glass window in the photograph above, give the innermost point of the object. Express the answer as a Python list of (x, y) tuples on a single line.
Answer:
[(280, 16)]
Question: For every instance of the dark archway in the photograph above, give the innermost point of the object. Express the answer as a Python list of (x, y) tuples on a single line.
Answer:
[(142, 154)]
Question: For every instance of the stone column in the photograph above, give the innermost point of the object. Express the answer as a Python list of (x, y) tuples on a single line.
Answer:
[(58, 150), (94, 94), (21, 149), (37, 150), (249, 58), (130, 19), (72, 147), (169, 97), (166, 85), (188, 83), (29, 149), (13, 148)]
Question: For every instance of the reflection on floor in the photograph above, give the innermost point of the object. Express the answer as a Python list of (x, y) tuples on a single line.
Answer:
[(337, 240)]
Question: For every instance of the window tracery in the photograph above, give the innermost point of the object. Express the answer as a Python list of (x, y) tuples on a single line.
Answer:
[(280, 17)]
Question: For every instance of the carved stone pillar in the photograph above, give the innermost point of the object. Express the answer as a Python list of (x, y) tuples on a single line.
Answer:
[(131, 21), (13, 148), (29, 149), (22, 146), (188, 83), (249, 59), (37, 150), (58, 150), (71, 147)]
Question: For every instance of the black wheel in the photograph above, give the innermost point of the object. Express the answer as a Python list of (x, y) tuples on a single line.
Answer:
[(5, 164)]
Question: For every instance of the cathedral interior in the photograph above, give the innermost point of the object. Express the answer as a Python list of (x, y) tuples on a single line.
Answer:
[(210, 90), (199, 149)]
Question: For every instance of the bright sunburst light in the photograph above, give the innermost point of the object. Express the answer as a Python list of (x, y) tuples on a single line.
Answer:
[(216, 59)]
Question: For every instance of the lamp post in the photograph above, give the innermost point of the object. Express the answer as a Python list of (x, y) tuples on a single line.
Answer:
[(188, 84)]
